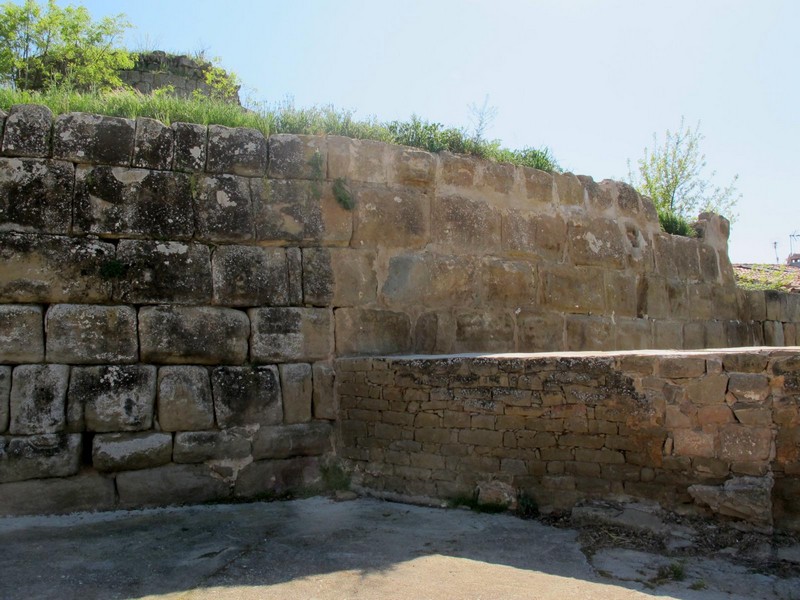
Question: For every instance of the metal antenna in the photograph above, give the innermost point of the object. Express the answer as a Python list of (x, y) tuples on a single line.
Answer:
[(775, 246), (793, 236)]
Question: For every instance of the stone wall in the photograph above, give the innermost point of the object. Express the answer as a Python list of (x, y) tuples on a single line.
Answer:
[(707, 430), (171, 298)]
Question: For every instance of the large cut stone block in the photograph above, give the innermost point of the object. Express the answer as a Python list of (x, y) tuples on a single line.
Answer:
[(505, 283), (91, 334), (128, 451), (27, 131), (38, 399), (278, 477), (290, 334), (484, 332), (568, 189), (120, 202), (193, 334), (21, 334), (36, 195), (114, 398), (372, 331), (677, 257), (170, 484), (294, 265), (391, 218), (339, 276), (154, 144), (410, 166), (540, 332), (43, 268), (83, 492), (5, 392), (324, 399), (223, 208), (240, 151), (155, 272), (247, 396), (433, 279), (467, 225), (357, 160), (288, 210), (598, 243), (200, 446), (531, 234), (307, 439), (297, 157), (38, 456), (575, 289), (297, 388), (250, 276), (184, 399), (589, 333), (85, 138), (190, 147)]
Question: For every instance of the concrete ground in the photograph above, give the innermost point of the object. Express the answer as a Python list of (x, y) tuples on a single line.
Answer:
[(321, 549)]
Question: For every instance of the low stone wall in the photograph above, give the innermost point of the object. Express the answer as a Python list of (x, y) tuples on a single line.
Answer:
[(689, 430)]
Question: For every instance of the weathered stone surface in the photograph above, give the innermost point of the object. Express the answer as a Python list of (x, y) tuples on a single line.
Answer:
[(184, 399), (749, 387), (240, 151), (668, 334), (85, 138), (5, 392), (299, 211), (193, 334), (540, 332), (497, 493), (250, 276), (745, 444), (247, 396), (271, 478), (128, 451), (294, 266), (307, 439), (121, 202), (223, 209), (390, 218), (632, 334), (290, 334), (38, 399), (532, 234), (598, 195), (323, 398), (83, 492), (339, 276), (297, 388), (568, 189), (585, 332), (43, 268), (575, 290), (21, 334), (36, 456), (465, 225), (621, 295), (371, 331), (443, 281), (154, 272), (190, 147), (677, 257), (297, 157), (91, 334), (114, 398), (200, 446), (36, 195), (154, 144), (170, 484), (714, 230), (746, 498), (599, 243), (506, 283), (484, 332), (357, 160), (27, 132), (410, 166)]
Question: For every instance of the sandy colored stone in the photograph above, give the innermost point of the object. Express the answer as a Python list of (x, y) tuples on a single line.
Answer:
[(410, 166), (21, 334), (568, 189), (290, 334), (589, 333), (297, 389), (84, 492), (339, 276), (484, 332), (506, 283), (574, 289), (371, 331), (128, 451), (184, 399), (223, 208), (36, 195), (463, 225), (540, 332), (532, 234), (442, 280), (91, 334), (250, 276), (598, 242), (390, 218), (115, 398), (286, 441), (38, 399), (323, 397)]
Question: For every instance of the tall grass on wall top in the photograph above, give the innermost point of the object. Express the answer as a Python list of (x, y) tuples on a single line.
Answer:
[(279, 118)]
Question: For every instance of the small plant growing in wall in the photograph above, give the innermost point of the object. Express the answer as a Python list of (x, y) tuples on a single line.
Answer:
[(342, 194), (113, 269)]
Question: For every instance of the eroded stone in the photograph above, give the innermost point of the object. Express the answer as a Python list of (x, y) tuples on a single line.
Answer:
[(170, 484), (27, 131), (339, 276), (371, 331), (297, 388), (128, 451), (465, 225), (294, 156), (290, 334), (38, 399), (114, 398), (239, 151), (184, 399), (91, 334), (154, 144), (307, 439), (85, 138), (84, 492), (36, 195), (21, 334), (189, 147), (250, 276), (323, 398), (247, 396), (223, 208), (278, 477), (200, 446), (390, 218), (36, 456)]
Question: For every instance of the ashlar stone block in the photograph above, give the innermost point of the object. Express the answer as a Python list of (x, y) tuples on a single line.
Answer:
[(598, 243), (410, 166), (84, 492), (250, 276), (193, 334), (574, 289), (442, 280), (91, 334), (28, 130), (297, 157), (5, 392), (465, 225), (323, 397), (38, 399), (531, 234), (21, 334), (390, 218), (540, 332), (115, 398), (290, 334), (128, 451), (297, 388), (154, 272), (371, 331), (170, 484), (190, 147), (484, 332), (121, 202), (184, 399), (506, 283), (200, 446), (85, 138), (36, 195), (277, 477), (247, 396), (154, 144), (42, 268), (339, 276), (223, 209), (239, 151), (586, 332), (38, 456), (306, 439)]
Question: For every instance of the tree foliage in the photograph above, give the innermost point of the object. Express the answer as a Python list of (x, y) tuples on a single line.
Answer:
[(42, 46), (672, 174)]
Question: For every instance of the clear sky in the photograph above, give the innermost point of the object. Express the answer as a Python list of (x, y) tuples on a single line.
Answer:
[(591, 80)]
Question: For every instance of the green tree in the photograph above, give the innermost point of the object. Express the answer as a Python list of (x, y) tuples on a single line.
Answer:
[(673, 175), (41, 46)]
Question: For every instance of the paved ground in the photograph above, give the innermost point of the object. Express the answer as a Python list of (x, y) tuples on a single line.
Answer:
[(320, 549)]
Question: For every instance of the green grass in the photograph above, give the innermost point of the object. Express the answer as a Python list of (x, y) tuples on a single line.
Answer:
[(675, 224), (765, 277), (279, 118)]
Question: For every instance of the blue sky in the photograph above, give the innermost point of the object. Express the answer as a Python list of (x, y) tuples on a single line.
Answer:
[(591, 80)]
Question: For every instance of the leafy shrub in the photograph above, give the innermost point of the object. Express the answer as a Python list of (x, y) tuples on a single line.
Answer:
[(675, 224)]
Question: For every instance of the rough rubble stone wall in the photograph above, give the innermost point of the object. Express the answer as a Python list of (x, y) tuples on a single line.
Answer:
[(717, 428), (171, 298)]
